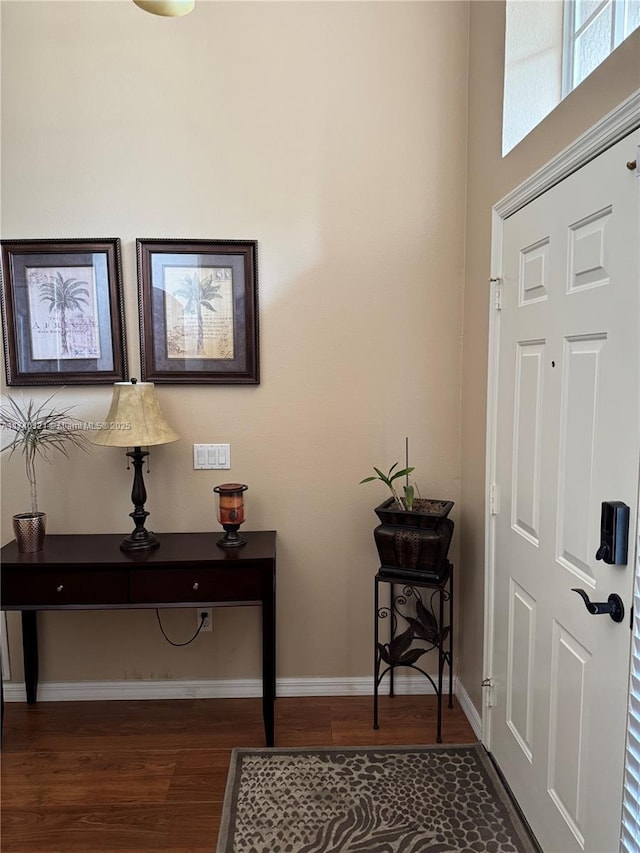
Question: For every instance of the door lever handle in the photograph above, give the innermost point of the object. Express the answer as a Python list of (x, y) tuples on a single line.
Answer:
[(613, 605)]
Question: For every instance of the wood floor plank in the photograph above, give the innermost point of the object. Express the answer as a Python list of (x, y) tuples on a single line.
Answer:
[(150, 776), (124, 827), (189, 724), (200, 776), (50, 778), (147, 849)]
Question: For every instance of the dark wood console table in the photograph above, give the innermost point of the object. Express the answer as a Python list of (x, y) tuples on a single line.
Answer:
[(90, 572)]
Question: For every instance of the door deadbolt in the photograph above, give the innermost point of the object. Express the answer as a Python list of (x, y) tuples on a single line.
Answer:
[(614, 533)]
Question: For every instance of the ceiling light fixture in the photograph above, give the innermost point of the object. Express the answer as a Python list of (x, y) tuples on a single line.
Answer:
[(167, 8)]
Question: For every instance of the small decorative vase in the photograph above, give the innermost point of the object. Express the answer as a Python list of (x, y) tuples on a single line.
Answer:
[(231, 513), (414, 542), (29, 529)]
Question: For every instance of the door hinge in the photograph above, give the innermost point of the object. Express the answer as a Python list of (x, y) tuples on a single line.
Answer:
[(497, 292), (489, 693), (494, 499)]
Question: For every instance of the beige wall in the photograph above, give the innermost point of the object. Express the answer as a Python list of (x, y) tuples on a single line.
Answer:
[(335, 135), (489, 179)]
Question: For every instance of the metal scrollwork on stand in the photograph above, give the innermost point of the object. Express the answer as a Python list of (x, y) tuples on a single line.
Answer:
[(422, 628), (415, 619)]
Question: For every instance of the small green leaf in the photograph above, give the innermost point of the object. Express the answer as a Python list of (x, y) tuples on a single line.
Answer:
[(388, 479), (408, 496), (402, 473)]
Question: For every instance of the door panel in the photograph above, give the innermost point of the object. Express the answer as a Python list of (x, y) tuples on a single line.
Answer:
[(527, 431), (568, 727), (576, 533), (520, 683), (567, 436)]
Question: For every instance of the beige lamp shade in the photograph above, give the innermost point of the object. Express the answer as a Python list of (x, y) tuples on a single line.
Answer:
[(167, 8), (134, 419)]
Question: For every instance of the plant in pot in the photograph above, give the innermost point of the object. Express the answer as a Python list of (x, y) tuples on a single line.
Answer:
[(406, 501), (39, 430), (415, 533)]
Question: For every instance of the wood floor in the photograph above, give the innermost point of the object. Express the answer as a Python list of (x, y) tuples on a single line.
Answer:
[(106, 777)]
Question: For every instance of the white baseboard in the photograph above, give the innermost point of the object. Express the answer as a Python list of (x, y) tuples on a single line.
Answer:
[(79, 691), (470, 711)]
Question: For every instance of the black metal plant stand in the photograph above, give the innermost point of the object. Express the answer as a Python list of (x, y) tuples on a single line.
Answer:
[(416, 626)]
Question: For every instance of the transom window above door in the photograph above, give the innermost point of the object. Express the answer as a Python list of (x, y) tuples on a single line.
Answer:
[(551, 47), (592, 30)]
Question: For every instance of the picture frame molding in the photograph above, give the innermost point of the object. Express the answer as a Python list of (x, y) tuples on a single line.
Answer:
[(27, 359), (231, 282)]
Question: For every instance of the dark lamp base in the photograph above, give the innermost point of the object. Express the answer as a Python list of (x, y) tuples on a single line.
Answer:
[(140, 541)]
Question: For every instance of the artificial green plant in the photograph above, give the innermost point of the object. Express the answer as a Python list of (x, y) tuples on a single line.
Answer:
[(39, 430)]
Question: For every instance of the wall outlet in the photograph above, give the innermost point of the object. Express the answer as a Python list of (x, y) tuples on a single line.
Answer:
[(206, 614)]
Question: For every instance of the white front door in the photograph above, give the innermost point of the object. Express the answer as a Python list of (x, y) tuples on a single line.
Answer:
[(567, 430)]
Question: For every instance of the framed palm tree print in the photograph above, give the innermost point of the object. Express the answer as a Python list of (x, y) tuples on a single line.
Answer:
[(198, 303), (62, 312)]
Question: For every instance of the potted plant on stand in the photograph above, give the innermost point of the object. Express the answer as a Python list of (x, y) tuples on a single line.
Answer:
[(415, 532), (38, 430)]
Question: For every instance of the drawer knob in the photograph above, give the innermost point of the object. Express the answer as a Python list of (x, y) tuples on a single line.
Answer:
[(196, 585), (59, 588)]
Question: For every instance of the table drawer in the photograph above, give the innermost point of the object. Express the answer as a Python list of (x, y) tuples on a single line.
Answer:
[(220, 584), (58, 589)]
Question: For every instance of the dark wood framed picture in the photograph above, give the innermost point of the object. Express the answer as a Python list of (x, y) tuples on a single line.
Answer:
[(62, 312), (198, 304)]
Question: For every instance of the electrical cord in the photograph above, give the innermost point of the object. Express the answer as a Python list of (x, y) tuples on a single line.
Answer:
[(200, 627)]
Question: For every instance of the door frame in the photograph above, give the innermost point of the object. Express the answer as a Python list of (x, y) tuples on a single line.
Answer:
[(621, 121)]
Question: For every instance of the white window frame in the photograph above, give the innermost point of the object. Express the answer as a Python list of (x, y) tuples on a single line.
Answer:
[(618, 9)]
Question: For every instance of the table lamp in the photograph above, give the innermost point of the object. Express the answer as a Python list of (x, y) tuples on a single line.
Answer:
[(135, 420)]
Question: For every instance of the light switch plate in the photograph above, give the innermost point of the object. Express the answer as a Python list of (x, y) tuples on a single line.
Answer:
[(211, 456)]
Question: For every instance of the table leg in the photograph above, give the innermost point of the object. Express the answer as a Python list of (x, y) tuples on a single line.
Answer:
[(376, 656), (451, 638), (30, 654), (440, 663), (269, 659)]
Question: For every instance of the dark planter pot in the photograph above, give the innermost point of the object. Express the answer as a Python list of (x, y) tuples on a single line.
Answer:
[(414, 542)]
